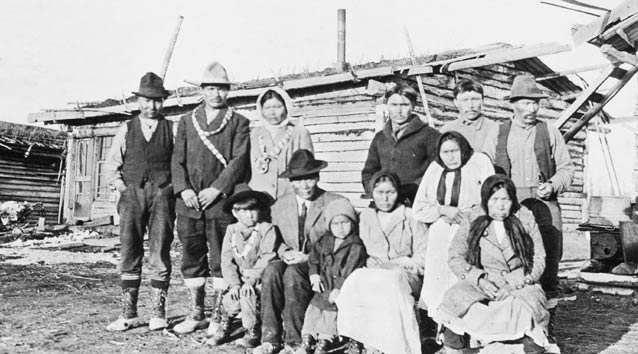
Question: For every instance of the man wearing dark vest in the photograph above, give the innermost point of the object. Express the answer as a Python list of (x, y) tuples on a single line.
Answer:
[(212, 156), (534, 154), (139, 167)]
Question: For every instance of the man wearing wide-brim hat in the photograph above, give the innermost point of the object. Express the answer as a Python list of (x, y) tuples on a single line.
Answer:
[(211, 157), (139, 167), (534, 155), (286, 289)]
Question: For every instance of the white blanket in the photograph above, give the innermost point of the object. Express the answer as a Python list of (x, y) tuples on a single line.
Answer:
[(376, 309)]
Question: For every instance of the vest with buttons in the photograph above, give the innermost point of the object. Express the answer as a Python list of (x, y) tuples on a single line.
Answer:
[(148, 160), (542, 150)]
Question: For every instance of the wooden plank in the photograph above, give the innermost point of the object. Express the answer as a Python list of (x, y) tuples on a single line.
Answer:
[(342, 187), (338, 119), (625, 281), (339, 166), (341, 177), (584, 96), (344, 156), (345, 146), (337, 78), (593, 29), (331, 137), (345, 128), (593, 111), (511, 55)]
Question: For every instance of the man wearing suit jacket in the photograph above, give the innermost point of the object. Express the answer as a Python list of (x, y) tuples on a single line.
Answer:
[(286, 287), (211, 156)]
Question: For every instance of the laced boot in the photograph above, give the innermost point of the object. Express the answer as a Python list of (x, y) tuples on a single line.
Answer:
[(216, 314), (196, 318), (307, 344), (128, 318), (158, 304)]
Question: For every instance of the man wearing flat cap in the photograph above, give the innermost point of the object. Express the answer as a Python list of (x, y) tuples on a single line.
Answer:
[(534, 155), (139, 167), (286, 289), (211, 157)]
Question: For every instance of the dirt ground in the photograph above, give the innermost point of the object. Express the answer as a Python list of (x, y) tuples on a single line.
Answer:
[(64, 308)]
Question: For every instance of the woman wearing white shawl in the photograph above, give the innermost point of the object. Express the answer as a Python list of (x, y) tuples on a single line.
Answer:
[(272, 143)]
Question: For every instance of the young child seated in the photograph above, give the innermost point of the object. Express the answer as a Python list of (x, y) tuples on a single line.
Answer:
[(332, 258), (248, 246)]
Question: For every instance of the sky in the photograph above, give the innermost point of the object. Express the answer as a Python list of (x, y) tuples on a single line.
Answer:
[(53, 53)]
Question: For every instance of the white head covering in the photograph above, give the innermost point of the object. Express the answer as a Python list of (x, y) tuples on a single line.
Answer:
[(289, 108)]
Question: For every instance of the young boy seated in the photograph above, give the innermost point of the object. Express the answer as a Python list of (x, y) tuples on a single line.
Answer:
[(331, 260), (248, 246)]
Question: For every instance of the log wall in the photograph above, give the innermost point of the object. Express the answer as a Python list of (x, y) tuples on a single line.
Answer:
[(33, 179), (342, 121)]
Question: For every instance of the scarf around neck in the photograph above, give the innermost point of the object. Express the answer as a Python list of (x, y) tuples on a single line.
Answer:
[(466, 154)]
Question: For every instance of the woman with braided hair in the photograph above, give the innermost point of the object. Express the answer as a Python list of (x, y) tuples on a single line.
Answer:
[(498, 257)]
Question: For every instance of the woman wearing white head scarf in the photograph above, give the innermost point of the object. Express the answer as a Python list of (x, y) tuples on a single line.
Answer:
[(272, 143)]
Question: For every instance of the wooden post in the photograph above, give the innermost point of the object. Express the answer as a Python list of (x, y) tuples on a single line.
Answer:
[(424, 99), (341, 40), (171, 46)]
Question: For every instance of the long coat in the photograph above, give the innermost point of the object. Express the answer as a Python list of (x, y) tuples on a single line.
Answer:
[(500, 265), (334, 266), (403, 237), (284, 215), (195, 167), (408, 157)]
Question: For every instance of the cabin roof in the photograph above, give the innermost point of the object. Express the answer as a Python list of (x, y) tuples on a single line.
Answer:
[(522, 57)]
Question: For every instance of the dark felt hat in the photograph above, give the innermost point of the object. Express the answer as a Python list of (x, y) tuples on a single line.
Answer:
[(152, 86), (524, 86), (243, 192), (303, 163)]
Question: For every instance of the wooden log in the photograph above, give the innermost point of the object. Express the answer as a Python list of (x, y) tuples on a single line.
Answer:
[(171, 47), (624, 281)]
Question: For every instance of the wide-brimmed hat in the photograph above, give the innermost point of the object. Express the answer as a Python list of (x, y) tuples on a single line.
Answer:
[(214, 74), (243, 192), (152, 86), (303, 163), (524, 86)]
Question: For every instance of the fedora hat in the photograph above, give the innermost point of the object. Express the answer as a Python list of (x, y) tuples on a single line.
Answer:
[(214, 74), (243, 192), (303, 163), (524, 86), (152, 86)]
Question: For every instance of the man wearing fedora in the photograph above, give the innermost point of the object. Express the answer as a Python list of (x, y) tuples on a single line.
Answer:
[(286, 289), (534, 155), (139, 167), (211, 157)]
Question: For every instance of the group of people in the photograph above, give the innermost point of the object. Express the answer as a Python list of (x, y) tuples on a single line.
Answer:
[(462, 235)]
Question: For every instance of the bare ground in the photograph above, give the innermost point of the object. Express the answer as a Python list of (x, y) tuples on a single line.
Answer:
[(64, 308)]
